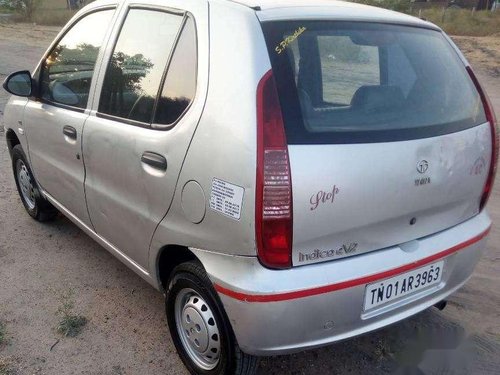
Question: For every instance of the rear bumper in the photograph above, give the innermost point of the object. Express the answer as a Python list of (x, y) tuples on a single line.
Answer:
[(278, 312)]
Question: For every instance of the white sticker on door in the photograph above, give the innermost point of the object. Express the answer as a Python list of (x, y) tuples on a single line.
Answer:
[(226, 198)]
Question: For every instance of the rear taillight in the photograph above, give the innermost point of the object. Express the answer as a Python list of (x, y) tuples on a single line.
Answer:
[(273, 199), (490, 117)]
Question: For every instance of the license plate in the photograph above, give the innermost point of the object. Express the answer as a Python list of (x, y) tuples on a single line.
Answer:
[(387, 290)]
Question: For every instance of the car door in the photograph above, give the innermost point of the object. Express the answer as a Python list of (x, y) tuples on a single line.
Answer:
[(54, 119), (149, 106)]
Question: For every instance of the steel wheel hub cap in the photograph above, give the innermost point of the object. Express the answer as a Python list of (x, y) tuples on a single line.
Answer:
[(27, 189), (197, 329)]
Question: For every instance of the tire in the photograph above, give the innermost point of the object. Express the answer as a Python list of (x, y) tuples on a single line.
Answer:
[(34, 203), (194, 312)]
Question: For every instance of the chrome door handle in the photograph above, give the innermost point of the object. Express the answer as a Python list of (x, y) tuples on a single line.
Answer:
[(70, 132), (154, 160)]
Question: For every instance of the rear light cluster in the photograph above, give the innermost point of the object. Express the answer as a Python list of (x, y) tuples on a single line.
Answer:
[(273, 200), (490, 117)]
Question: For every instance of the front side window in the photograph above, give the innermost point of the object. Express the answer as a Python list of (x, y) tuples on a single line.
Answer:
[(136, 67), (67, 72)]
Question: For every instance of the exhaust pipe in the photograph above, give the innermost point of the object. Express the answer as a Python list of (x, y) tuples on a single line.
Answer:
[(441, 305)]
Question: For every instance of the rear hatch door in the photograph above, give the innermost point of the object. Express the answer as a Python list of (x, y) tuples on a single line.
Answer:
[(388, 139)]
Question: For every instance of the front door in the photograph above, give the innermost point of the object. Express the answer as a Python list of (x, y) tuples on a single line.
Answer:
[(146, 115), (54, 120)]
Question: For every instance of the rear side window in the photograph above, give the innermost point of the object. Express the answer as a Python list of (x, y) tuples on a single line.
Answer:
[(344, 82), (136, 68), (67, 72), (180, 82)]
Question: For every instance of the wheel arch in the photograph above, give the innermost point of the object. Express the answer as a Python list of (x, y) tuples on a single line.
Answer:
[(12, 140), (169, 257)]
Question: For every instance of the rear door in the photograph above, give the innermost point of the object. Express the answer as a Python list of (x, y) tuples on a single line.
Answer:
[(388, 139), (147, 111), (54, 119)]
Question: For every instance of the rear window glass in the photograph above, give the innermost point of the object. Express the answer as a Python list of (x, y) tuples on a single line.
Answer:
[(180, 83), (339, 80), (344, 82)]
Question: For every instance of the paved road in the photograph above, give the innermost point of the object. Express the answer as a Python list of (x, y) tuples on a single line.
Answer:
[(127, 333)]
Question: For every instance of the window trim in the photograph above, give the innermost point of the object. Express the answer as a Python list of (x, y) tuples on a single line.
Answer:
[(38, 72), (158, 8), (127, 121)]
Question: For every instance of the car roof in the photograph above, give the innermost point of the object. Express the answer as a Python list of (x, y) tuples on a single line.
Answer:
[(268, 10), (269, 4), (339, 10)]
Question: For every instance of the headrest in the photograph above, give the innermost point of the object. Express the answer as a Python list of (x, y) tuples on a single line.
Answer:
[(370, 98)]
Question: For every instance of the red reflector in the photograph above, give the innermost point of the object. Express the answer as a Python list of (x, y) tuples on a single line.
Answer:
[(273, 200), (490, 117)]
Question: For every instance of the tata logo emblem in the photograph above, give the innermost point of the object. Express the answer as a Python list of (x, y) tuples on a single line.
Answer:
[(422, 166)]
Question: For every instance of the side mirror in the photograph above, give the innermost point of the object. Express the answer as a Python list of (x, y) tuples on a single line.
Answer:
[(19, 83)]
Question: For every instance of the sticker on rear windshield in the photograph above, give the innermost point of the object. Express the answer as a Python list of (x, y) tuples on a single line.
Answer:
[(280, 48), (226, 198)]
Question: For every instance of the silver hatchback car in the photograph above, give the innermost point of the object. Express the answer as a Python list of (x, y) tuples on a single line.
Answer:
[(288, 173)]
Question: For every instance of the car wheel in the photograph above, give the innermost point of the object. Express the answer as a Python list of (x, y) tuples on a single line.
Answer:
[(199, 326), (36, 205)]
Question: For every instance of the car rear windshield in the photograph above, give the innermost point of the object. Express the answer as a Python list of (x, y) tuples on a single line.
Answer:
[(356, 82)]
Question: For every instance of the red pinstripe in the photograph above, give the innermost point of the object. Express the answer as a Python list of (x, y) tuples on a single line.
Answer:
[(350, 283)]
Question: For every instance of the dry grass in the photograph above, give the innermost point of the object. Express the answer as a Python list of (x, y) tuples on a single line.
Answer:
[(43, 12), (464, 22), (453, 21), (52, 17), (53, 4)]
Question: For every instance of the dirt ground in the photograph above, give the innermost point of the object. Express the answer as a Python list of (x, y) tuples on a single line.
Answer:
[(126, 331), (483, 52)]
